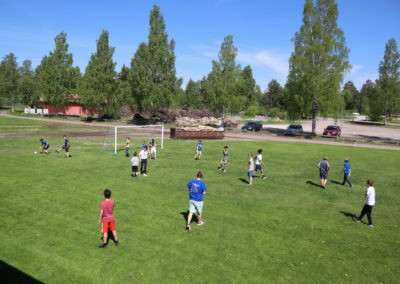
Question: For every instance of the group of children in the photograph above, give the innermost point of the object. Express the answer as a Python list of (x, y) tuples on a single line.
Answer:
[(45, 146), (324, 168), (142, 158)]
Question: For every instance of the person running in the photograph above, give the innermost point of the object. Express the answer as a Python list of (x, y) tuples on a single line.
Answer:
[(260, 163), (127, 146), (224, 160), (346, 172), (45, 146), (250, 168), (66, 147), (197, 189), (107, 219), (369, 204), (135, 165), (143, 155), (323, 167), (199, 150)]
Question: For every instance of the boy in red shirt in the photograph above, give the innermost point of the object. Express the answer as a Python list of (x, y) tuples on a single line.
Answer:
[(106, 219)]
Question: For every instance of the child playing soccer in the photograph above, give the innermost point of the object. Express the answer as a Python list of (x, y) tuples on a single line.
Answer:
[(107, 219), (199, 149), (250, 168), (45, 146), (135, 165), (65, 147), (224, 160), (260, 163)]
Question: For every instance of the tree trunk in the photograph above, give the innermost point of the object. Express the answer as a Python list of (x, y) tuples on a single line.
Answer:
[(314, 117)]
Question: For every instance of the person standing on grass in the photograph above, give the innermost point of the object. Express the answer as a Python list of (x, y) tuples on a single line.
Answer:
[(65, 147), (323, 167), (127, 145), (153, 150), (135, 165), (143, 155), (199, 150), (224, 160), (107, 219), (250, 168), (260, 163), (346, 172), (369, 204), (197, 189), (45, 146)]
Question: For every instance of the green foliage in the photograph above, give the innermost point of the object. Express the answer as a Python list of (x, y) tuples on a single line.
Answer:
[(27, 84), (99, 84), (318, 63), (282, 229), (56, 77), (251, 111), (389, 78), (9, 79), (153, 80)]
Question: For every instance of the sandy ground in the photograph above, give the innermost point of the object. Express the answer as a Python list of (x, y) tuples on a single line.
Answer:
[(354, 133)]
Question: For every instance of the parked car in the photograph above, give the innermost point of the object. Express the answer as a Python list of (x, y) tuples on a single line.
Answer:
[(332, 131), (252, 126), (294, 129)]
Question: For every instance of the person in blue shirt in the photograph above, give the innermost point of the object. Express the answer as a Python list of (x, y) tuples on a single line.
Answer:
[(45, 146), (197, 189), (199, 149), (346, 172)]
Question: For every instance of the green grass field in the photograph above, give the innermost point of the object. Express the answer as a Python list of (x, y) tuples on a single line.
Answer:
[(284, 229)]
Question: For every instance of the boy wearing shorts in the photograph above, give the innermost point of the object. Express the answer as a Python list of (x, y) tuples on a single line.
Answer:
[(224, 160), (197, 189), (135, 165), (107, 219), (250, 168)]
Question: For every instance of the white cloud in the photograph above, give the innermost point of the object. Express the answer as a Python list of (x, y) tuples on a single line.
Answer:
[(275, 61)]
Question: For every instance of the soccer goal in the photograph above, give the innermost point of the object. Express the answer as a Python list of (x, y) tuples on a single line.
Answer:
[(138, 133)]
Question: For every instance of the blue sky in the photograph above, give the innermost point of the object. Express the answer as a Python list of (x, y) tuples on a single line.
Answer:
[(262, 31)]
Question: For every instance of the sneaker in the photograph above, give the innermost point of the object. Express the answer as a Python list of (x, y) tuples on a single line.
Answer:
[(201, 223), (103, 246), (145, 175), (187, 227), (358, 220), (264, 177), (219, 168), (116, 243), (371, 225)]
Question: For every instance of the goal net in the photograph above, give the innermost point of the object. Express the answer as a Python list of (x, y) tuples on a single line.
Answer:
[(137, 135)]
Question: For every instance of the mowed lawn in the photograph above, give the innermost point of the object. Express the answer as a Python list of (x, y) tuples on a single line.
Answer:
[(284, 229)]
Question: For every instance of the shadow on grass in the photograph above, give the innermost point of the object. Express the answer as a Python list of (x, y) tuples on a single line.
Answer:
[(185, 216), (110, 236), (244, 180), (336, 182), (14, 275), (313, 183), (351, 215)]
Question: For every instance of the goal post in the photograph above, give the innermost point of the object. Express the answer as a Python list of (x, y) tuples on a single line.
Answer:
[(145, 130)]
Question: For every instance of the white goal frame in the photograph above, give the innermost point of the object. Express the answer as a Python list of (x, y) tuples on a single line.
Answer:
[(137, 127)]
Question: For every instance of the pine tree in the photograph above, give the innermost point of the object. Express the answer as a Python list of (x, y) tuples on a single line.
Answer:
[(99, 83), (56, 77)]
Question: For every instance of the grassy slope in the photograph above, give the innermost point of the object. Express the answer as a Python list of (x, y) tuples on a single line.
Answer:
[(283, 229)]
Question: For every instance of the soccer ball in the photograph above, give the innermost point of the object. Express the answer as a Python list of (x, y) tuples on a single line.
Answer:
[(35, 152)]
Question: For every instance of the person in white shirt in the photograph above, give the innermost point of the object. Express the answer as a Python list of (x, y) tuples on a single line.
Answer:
[(135, 165), (260, 163), (143, 154), (369, 204)]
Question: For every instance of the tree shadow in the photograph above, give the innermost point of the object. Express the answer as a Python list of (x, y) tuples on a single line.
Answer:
[(244, 180), (14, 275), (313, 183)]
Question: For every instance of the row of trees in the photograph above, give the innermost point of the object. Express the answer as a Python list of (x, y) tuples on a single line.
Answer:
[(313, 88)]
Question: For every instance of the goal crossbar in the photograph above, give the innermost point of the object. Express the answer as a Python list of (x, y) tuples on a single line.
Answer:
[(137, 127)]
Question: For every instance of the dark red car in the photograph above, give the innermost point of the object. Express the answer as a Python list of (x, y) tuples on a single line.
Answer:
[(332, 131)]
